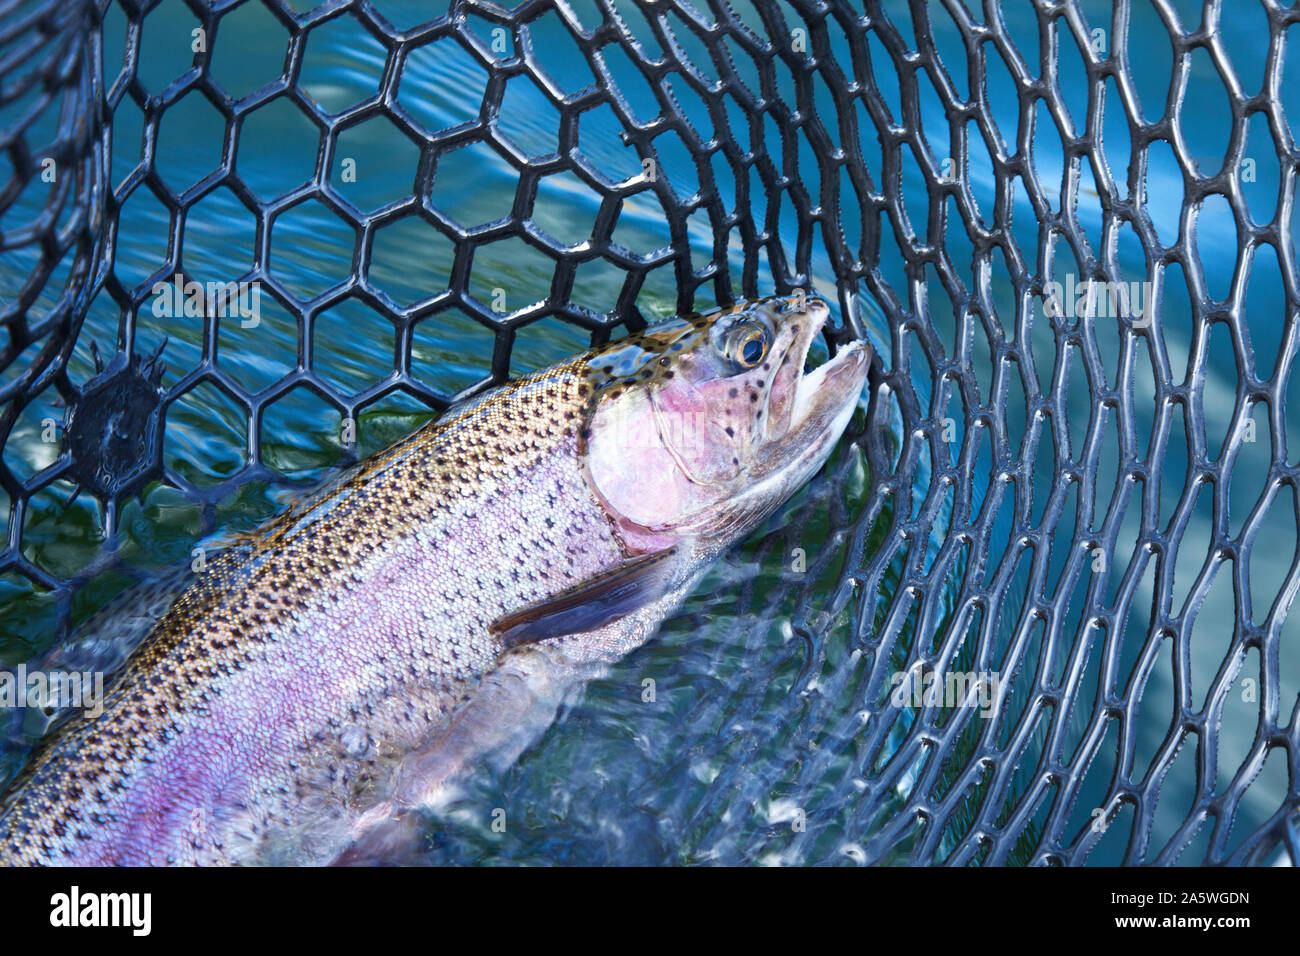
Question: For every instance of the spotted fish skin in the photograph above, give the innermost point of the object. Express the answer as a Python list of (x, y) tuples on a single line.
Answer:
[(342, 662), (348, 624)]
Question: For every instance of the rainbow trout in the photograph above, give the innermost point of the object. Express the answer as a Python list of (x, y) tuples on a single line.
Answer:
[(329, 676)]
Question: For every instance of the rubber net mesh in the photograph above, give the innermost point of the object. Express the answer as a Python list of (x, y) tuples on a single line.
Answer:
[(1034, 467)]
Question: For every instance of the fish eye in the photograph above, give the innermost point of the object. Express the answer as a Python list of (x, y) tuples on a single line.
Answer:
[(747, 344)]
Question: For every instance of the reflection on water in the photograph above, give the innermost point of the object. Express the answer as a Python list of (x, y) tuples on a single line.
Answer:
[(754, 718)]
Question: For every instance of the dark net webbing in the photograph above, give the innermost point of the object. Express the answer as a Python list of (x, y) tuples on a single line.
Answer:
[(827, 122)]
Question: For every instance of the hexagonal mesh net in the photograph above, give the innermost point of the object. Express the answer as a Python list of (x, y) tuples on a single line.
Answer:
[(1094, 503)]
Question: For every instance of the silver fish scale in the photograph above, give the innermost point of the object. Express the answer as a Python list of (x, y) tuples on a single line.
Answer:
[(370, 665)]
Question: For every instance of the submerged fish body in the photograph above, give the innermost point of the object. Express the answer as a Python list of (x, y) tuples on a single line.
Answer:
[(324, 678)]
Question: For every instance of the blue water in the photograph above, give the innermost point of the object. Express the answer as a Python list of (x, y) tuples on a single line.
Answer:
[(750, 722)]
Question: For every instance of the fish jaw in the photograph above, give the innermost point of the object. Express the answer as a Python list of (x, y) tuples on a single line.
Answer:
[(827, 396), (697, 427)]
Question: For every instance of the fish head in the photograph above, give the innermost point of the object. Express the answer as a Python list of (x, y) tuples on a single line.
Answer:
[(701, 426)]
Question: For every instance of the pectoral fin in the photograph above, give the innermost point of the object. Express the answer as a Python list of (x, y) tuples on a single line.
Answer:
[(593, 603)]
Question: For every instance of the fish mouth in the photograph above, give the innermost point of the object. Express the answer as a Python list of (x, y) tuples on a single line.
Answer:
[(835, 384), (826, 393), (815, 406)]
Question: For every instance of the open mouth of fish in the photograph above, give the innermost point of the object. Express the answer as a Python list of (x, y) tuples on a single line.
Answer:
[(822, 384)]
